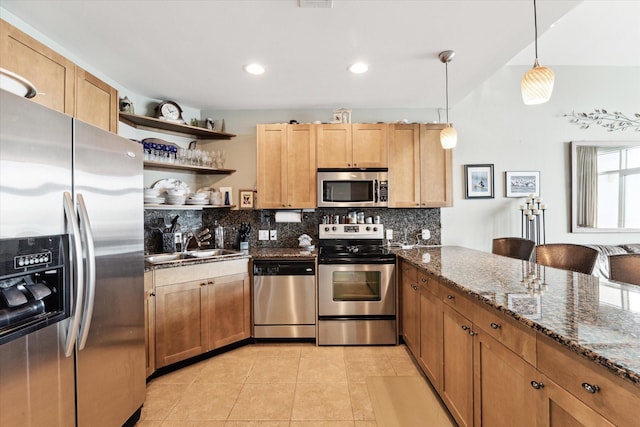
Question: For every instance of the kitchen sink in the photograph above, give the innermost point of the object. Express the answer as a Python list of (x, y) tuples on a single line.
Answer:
[(191, 255)]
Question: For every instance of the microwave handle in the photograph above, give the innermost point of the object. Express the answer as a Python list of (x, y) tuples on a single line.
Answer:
[(376, 191)]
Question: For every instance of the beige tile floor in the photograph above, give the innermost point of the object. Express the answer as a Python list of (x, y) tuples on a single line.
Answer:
[(292, 385)]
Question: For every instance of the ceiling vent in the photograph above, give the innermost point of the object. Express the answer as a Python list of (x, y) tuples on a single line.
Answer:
[(316, 3)]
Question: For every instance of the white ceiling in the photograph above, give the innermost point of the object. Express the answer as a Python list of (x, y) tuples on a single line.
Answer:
[(193, 51)]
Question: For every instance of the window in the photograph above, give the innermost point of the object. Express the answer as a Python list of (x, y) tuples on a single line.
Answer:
[(618, 174)]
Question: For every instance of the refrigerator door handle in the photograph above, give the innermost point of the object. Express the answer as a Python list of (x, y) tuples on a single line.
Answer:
[(90, 271), (76, 259)]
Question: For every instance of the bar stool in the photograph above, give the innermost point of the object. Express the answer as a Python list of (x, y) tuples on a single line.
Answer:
[(625, 268), (567, 256), (513, 247)]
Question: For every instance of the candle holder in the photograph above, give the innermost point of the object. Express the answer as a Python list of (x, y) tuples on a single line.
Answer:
[(534, 278), (532, 220)]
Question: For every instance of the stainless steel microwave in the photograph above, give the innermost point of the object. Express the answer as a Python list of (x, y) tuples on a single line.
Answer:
[(357, 188)]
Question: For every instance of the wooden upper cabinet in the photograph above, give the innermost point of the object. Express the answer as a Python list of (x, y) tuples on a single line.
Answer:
[(334, 146), (370, 145), (301, 167), (286, 166), (420, 170), (436, 163), (361, 145), (404, 166), (272, 161), (96, 101), (52, 74)]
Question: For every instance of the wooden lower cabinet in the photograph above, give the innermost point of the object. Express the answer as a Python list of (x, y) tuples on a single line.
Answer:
[(503, 395), (229, 308), (430, 358), (180, 321), (457, 373), (410, 298), (149, 322), (200, 315), (491, 371)]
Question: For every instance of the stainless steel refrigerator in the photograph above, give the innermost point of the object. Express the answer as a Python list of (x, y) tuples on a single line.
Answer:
[(62, 177)]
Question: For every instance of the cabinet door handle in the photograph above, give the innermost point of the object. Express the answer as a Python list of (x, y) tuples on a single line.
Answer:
[(152, 294), (465, 327), (472, 332), (211, 282), (349, 164), (495, 325), (424, 280), (355, 165), (593, 389), (537, 385), (451, 297), (203, 284)]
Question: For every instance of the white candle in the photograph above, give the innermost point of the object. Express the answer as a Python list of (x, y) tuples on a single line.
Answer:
[(531, 217), (531, 196), (536, 212), (522, 207), (528, 201), (543, 206), (527, 212), (538, 199)]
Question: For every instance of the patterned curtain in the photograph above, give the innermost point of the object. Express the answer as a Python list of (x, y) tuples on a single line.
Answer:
[(587, 185)]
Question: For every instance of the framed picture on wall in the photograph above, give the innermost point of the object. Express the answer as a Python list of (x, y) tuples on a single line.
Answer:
[(521, 184), (245, 198), (479, 181)]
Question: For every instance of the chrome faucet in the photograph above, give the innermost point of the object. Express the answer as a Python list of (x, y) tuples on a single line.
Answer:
[(186, 239)]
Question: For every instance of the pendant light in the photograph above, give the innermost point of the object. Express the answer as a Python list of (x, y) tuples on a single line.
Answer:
[(448, 135), (537, 83)]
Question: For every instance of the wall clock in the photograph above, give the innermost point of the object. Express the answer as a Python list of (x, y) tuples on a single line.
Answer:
[(169, 110)]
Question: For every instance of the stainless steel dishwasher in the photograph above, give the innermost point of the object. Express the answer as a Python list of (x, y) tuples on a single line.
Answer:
[(284, 298)]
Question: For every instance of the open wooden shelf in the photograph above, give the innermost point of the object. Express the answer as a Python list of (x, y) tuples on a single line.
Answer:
[(171, 128), (178, 167)]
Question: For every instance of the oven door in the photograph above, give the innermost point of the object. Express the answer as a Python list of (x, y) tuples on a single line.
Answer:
[(356, 289)]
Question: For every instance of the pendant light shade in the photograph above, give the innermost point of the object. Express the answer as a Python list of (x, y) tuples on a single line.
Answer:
[(448, 135), (537, 84)]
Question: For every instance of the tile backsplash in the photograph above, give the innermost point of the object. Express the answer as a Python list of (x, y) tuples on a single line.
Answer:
[(405, 223)]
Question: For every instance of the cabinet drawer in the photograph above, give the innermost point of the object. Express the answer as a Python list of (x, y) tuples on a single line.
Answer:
[(615, 399), (429, 283), (517, 338), (456, 299)]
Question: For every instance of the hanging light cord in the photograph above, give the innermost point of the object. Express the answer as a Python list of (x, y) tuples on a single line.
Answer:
[(446, 89), (535, 28)]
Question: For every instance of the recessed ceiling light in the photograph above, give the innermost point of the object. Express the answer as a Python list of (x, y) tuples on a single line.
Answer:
[(255, 69), (358, 68)]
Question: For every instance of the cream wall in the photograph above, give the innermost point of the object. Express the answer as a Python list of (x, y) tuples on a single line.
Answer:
[(494, 126)]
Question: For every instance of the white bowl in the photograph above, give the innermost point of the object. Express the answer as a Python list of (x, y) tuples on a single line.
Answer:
[(175, 192), (199, 196), (151, 192)]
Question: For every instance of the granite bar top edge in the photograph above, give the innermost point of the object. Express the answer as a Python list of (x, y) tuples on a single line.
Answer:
[(415, 257)]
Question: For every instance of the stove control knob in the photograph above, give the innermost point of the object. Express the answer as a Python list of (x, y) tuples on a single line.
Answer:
[(326, 229), (368, 228), (334, 228), (375, 228)]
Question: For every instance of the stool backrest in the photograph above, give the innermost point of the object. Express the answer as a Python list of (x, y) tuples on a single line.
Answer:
[(514, 247), (625, 268), (567, 256)]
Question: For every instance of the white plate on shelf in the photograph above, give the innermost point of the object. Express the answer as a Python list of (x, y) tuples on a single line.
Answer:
[(154, 200), (171, 184), (197, 202)]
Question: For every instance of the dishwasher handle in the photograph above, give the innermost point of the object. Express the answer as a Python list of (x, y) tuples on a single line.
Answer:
[(282, 268)]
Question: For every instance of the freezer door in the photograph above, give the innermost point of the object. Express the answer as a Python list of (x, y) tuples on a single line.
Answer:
[(35, 167), (36, 379), (111, 366)]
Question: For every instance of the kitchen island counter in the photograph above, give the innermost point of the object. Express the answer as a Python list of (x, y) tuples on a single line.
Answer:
[(596, 319)]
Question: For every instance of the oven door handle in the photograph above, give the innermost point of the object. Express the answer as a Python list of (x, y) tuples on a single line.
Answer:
[(355, 261), (78, 278)]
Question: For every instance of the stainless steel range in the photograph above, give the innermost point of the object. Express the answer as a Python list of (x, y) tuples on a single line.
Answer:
[(356, 286)]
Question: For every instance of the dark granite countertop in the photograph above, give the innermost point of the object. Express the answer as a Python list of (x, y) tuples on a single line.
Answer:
[(597, 319)]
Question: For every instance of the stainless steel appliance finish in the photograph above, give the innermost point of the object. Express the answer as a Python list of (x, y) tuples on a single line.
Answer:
[(355, 188), (284, 299), (61, 176), (356, 286)]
